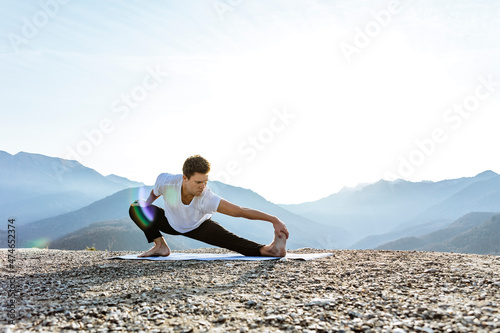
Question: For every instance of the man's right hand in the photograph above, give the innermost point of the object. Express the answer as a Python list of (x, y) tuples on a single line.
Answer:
[(280, 227), (146, 203), (141, 203)]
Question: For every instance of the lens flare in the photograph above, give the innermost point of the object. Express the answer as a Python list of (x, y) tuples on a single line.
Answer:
[(138, 193), (40, 243), (144, 214)]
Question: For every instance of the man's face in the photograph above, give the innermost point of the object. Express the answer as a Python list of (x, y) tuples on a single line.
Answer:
[(196, 184)]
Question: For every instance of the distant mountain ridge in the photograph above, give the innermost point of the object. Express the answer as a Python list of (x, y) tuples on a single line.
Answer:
[(385, 211), (34, 186), (477, 233), (123, 181), (113, 207)]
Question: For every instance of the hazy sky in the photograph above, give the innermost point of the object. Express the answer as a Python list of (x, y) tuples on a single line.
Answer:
[(292, 99)]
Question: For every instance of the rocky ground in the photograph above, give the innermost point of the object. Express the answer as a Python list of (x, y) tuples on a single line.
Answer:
[(351, 291)]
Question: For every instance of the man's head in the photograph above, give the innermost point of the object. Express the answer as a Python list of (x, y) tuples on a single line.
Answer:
[(195, 174), (195, 164)]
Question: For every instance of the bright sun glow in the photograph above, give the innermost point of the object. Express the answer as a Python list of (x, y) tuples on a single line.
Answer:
[(294, 101)]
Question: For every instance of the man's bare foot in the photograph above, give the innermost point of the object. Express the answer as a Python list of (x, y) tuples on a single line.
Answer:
[(277, 248), (160, 249)]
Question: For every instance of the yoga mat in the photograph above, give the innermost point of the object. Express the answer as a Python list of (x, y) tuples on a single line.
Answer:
[(221, 256)]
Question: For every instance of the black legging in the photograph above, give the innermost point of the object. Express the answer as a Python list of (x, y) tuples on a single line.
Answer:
[(151, 220)]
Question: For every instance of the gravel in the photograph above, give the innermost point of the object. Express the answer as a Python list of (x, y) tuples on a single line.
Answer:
[(351, 291)]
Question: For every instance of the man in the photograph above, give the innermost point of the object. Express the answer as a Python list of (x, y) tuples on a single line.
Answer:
[(189, 205)]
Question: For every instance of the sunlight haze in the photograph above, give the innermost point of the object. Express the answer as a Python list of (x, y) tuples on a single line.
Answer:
[(293, 100)]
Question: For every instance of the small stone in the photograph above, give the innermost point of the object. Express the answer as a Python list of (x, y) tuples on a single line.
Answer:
[(398, 330), (250, 303), (321, 301)]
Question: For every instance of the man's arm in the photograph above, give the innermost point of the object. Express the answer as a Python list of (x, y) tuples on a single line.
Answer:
[(152, 197), (228, 208)]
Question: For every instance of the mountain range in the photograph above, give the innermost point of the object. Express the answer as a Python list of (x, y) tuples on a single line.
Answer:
[(63, 204), (473, 233), (35, 186), (388, 210)]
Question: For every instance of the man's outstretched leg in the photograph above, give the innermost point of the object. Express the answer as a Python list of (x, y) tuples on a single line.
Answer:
[(277, 248), (213, 233)]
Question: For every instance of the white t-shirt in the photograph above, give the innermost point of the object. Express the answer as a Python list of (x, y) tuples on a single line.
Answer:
[(184, 218)]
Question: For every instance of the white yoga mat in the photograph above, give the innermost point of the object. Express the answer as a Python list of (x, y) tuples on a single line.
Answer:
[(218, 256)]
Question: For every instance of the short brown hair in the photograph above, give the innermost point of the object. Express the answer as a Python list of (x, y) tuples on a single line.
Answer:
[(194, 164)]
